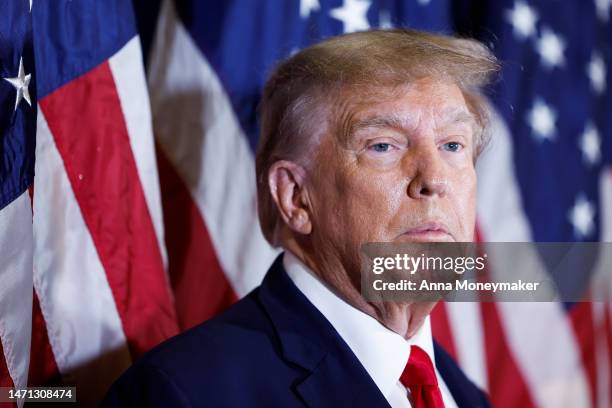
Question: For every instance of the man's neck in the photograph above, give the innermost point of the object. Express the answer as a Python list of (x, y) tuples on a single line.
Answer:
[(402, 318)]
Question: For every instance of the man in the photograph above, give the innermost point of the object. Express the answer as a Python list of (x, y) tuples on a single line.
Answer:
[(367, 137)]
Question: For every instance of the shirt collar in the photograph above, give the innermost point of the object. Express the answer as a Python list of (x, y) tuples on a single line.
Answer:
[(382, 352)]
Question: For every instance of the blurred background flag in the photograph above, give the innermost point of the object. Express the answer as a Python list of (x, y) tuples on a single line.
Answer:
[(543, 178), (546, 177)]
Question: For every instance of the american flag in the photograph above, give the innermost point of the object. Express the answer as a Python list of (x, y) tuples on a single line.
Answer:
[(84, 283), (116, 269)]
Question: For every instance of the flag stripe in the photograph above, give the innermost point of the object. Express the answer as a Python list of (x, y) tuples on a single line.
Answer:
[(466, 325), (5, 378), (506, 385), (77, 304), (498, 221), (194, 270), (129, 76), (43, 368), (204, 143), (603, 284), (16, 288), (553, 380), (104, 178), (607, 385), (194, 265), (441, 330), (582, 321), (602, 353)]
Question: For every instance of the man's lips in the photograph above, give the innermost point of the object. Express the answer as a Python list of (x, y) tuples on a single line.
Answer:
[(429, 231)]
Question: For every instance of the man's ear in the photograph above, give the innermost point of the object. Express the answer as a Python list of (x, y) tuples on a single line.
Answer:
[(287, 186)]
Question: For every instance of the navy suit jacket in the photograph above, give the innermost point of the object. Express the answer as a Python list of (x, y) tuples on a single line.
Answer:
[(273, 348)]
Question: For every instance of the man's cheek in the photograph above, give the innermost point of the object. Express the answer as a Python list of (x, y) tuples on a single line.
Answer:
[(466, 213), (376, 184)]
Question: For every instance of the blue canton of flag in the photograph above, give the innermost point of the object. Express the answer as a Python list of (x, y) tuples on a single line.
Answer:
[(17, 100)]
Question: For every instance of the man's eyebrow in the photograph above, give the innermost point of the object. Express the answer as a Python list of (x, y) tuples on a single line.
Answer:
[(459, 116), (378, 121), (396, 122)]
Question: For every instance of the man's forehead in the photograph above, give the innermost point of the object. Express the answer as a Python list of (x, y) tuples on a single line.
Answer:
[(444, 96), (400, 106)]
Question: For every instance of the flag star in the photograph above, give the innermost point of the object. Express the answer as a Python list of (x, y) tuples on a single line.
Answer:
[(590, 144), (596, 70), (550, 46), (353, 15), (582, 217), (424, 2), (308, 6), (542, 120), (603, 9), (21, 82), (30, 6), (523, 19), (384, 20)]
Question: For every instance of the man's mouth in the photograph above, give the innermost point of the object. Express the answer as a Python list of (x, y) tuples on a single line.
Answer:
[(428, 232)]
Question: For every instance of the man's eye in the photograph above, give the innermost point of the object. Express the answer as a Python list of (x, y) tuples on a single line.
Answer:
[(452, 146), (381, 147)]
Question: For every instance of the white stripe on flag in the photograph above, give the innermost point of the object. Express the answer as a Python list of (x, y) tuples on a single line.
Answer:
[(203, 140), (499, 200), (539, 335), (83, 324), (602, 289), (465, 321), (605, 191), (542, 341), (16, 287), (128, 73)]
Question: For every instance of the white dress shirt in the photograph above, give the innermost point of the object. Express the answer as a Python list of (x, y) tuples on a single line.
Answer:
[(382, 352)]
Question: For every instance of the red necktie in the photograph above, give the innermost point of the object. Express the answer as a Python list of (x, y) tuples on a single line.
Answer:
[(419, 377)]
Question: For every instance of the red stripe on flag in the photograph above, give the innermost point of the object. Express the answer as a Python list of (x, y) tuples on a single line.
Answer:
[(507, 389), (89, 130), (440, 326), (506, 385), (5, 378), (581, 318), (43, 369), (608, 331), (200, 286)]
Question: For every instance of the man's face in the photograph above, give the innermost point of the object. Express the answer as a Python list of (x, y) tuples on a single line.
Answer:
[(396, 166)]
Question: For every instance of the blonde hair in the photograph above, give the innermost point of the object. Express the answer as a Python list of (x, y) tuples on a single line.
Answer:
[(293, 101)]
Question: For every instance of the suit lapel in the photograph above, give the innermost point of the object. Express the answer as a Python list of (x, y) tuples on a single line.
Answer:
[(340, 382), (332, 374)]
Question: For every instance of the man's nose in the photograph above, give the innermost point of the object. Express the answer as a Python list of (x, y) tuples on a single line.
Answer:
[(428, 175)]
